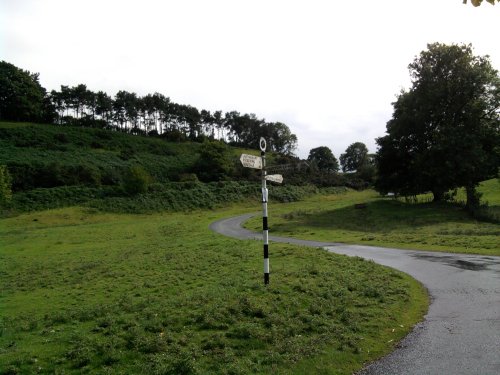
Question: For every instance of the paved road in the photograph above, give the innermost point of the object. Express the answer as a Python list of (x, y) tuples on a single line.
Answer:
[(461, 331)]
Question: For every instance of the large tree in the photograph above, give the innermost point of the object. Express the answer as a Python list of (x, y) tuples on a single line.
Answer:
[(444, 132), (355, 156), (324, 159), (22, 98), (280, 138)]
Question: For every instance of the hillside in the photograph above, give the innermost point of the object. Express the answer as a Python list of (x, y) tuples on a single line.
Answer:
[(55, 166), (45, 155)]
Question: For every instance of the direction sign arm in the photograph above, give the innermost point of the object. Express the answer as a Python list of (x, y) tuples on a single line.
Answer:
[(251, 161)]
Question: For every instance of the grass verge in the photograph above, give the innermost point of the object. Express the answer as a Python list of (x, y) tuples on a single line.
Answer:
[(89, 292), (386, 222)]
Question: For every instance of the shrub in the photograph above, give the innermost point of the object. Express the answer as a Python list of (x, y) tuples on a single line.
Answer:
[(61, 137), (43, 199), (215, 162), (188, 177), (147, 196), (136, 180), (86, 175), (5, 185)]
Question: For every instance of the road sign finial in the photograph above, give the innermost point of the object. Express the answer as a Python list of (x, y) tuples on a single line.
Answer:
[(262, 144)]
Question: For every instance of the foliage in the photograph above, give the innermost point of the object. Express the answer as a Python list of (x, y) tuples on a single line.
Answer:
[(136, 180), (22, 98), (358, 165), (5, 185), (247, 129), (87, 292), (368, 170), (355, 156), (172, 196), (324, 159), (488, 209), (477, 3), (280, 138), (215, 162), (50, 156), (188, 196), (62, 196), (445, 130)]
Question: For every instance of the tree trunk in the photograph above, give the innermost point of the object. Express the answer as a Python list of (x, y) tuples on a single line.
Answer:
[(438, 196), (473, 198)]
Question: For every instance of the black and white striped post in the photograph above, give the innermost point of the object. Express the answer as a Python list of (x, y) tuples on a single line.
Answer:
[(265, 228), (252, 161)]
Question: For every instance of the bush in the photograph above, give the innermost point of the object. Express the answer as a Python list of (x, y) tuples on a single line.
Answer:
[(5, 185), (186, 196), (172, 196), (86, 175), (43, 199), (188, 177), (215, 162), (136, 180), (31, 175)]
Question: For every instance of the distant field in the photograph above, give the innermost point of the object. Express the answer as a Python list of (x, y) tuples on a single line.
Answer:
[(388, 222), (88, 292)]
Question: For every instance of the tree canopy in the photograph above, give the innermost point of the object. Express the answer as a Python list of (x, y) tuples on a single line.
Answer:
[(477, 3), (354, 157), (444, 132), (156, 114), (22, 98), (324, 159)]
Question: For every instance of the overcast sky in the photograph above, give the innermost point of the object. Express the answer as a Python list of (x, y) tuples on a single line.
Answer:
[(328, 69)]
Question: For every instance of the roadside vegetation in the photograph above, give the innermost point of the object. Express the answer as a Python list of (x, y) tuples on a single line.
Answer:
[(53, 166), (90, 292), (367, 218)]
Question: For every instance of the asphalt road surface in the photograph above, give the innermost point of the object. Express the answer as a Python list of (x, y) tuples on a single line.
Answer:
[(461, 331)]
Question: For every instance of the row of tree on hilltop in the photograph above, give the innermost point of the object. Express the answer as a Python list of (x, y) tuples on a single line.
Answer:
[(22, 98)]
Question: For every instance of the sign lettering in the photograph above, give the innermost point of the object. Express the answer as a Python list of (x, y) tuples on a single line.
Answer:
[(251, 161)]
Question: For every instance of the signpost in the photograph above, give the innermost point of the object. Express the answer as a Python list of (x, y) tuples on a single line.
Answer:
[(275, 178), (265, 228), (251, 161)]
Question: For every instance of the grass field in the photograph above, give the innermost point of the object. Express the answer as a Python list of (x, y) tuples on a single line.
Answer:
[(89, 292), (388, 222)]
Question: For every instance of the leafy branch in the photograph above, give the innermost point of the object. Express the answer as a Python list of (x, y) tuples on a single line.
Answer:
[(477, 3)]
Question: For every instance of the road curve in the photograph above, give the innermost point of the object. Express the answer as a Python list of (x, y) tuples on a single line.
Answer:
[(461, 331)]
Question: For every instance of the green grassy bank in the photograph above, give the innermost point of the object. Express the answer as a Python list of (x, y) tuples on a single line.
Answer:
[(388, 222), (88, 292)]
